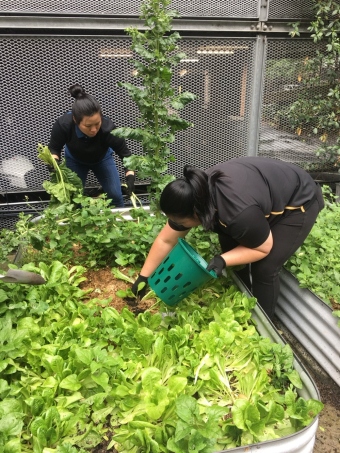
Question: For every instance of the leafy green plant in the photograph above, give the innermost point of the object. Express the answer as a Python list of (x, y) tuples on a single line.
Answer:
[(64, 184), (93, 235), (71, 373), (317, 111), (156, 99), (316, 264), (336, 313), (196, 431), (10, 241)]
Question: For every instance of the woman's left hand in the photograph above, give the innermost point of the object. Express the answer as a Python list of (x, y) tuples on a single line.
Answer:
[(130, 182), (217, 264)]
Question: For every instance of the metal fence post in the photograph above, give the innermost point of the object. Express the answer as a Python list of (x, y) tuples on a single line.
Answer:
[(256, 97), (337, 192)]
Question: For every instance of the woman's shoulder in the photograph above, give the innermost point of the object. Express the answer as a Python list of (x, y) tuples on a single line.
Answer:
[(65, 121), (107, 125)]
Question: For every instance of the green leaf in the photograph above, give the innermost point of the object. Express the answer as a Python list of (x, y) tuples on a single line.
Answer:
[(196, 441), (295, 379), (150, 377), (145, 338), (182, 430), (57, 364), (119, 275), (238, 412), (179, 102), (13, 446), (102, 380), (314, 407), (3, 295), (70, 383), (10, 425), (187, 408), (51, 436), (177, 448), (37, 405), (177, 384), (84, 355), (121, 293)]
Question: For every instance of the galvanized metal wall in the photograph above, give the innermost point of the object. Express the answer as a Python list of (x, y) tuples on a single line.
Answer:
[(196, 8), (278, 9)]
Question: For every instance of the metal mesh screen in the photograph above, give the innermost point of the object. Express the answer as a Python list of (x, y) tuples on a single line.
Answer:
[(9, 222), (284, 62), (31, 207), (36, 72), (291, 9), (193, 8)]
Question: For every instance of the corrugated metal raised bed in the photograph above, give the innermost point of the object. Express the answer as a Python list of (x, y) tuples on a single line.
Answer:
[(302, 441), (311, 322)]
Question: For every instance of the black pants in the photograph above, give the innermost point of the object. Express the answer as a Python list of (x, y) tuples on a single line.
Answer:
[(289, 232)]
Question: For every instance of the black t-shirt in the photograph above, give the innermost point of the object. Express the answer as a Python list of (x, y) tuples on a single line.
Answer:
[(86, 149), (253, 193)]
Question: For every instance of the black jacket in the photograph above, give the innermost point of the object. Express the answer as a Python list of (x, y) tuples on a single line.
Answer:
[(254, 192), (86, 149)]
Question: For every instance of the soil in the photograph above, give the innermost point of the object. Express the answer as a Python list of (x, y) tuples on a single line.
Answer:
[(105, 285), (335, 304)]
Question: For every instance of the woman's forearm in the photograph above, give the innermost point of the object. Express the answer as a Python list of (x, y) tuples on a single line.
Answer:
[(245, 255), (158, 252), (242, 255), (164, 243)]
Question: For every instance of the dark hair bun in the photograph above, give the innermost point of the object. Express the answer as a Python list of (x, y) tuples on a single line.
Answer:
[(76, 91), (187, 170)]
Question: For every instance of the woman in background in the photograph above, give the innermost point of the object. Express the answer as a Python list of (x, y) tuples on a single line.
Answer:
[(89, 145)]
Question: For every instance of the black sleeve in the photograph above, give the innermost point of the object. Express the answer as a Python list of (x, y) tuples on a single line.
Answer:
[(250, 228), (176, 227), (57, 139), (119, 146)]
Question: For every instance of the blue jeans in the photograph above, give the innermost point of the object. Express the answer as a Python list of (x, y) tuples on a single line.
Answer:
[(104, 170)]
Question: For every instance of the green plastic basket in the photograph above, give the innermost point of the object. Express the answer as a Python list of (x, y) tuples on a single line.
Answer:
[(179, 274)]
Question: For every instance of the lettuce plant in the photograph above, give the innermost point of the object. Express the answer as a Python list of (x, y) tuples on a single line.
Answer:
[(204, 380)]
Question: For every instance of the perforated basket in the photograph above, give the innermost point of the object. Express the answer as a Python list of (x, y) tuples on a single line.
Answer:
[(179, 274)]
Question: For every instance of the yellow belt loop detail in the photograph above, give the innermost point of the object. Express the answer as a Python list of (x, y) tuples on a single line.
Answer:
[(296, 207), (287, 207)]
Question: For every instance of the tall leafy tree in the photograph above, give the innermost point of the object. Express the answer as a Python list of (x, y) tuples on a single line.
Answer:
[(317, 111), (156, 99)]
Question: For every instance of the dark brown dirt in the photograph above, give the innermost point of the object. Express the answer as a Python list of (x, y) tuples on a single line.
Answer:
[(105, 285), (335, 304)]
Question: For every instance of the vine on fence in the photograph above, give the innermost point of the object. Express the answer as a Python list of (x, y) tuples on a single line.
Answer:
[(317, 110)]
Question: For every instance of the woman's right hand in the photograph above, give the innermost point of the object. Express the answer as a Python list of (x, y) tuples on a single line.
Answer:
[(138, 283), (51, 168)]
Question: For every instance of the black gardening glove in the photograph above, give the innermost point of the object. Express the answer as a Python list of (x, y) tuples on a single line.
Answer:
[(217, 264), (130, 182), (141, 292), (51, 168)]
